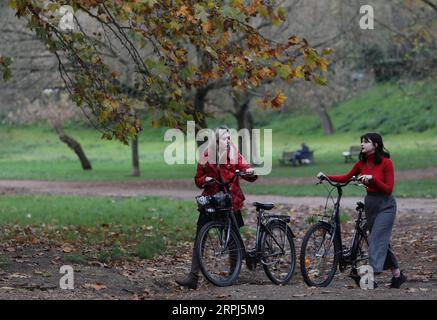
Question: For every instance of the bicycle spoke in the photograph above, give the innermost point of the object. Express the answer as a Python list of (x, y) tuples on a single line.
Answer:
[(218, 257), (278, 255), (319, 256)]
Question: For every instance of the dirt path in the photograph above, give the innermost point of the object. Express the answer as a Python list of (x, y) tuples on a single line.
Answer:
[(183, 190), (136, 187), (31, 271)]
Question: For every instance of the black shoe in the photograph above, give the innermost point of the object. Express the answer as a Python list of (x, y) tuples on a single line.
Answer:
[(188, 282), (396, 282), (251, 260), (354, 275)]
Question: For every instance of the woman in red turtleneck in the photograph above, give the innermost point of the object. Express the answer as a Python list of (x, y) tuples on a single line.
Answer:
[(375, 169)]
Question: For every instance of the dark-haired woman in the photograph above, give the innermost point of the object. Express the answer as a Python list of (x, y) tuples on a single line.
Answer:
[(375, 170)]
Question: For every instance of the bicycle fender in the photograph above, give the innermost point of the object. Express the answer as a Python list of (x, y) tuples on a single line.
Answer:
[(328, 225), (277, 220)]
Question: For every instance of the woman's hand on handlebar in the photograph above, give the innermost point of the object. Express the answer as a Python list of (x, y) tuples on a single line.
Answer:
[(208, 181), (365, 178), (250, 172), (321, 176)]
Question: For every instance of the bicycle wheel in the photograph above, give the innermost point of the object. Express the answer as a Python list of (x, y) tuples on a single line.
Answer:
[(278, 253), (219, 258), (318, 261)]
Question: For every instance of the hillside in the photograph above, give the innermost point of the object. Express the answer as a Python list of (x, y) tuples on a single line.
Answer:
[(387, 108)]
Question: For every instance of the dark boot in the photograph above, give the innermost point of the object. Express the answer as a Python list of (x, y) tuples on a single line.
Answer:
[(189, 282), (396, 282), (192, 279), (355, 276)]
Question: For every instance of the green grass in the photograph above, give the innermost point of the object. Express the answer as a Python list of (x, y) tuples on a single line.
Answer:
[(112, 228), (386, 108), (414, 188), (36, 153)]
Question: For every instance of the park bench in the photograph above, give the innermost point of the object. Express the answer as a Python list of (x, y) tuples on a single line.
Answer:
[(353, 152), (285, 160)]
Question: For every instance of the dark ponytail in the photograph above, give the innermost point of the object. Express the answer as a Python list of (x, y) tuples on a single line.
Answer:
[(380, 150)]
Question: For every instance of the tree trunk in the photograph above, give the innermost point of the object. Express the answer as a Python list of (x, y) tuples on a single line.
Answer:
[(75, 146), (199, 110), (135, 158), (244, 119), (325, 120)]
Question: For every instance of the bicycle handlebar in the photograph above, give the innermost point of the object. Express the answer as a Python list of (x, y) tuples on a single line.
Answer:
[(237, 173), (340, 184)]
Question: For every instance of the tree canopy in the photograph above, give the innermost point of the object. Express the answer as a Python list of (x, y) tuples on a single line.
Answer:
[(143, 55)]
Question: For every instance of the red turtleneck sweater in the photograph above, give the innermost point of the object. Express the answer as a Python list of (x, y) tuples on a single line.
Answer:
[(383, 174)]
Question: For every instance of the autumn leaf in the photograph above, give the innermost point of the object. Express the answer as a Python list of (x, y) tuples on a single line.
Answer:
[(328, 51), (67, 248), (319, 80), (322, 64), (183, 11), (263, 103), (278, 101), (207, 27), (294, 40), (201, 14), (284, 71), (252, 10), (96, 286), (224, 39), (265, 73), (19, 275)]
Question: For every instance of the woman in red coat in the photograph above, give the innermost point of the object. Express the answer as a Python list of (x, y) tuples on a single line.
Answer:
[(375, 169), (228, 160)]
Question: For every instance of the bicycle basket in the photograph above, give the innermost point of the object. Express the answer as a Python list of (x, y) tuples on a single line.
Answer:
[(220, 201)]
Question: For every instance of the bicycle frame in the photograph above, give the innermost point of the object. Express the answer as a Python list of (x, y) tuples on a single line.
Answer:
[(263, 227), (260, 228), (344, 257)]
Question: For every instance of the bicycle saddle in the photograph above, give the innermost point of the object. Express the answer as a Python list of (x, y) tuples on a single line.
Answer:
[(263, 205)]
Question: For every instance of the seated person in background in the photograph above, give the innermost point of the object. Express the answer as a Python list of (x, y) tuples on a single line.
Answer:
[(301, 154)]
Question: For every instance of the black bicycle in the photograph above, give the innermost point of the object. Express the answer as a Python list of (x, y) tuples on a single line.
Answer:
[(221, 250), (322, 249)]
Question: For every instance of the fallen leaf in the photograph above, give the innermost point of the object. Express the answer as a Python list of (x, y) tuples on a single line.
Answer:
[(67, 248), (19, 275), (95, 286)]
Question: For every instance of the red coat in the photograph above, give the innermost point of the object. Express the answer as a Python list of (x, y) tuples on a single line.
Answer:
[(226, 172)]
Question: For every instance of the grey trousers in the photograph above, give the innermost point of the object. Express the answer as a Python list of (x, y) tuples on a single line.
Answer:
[(380, 212)]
